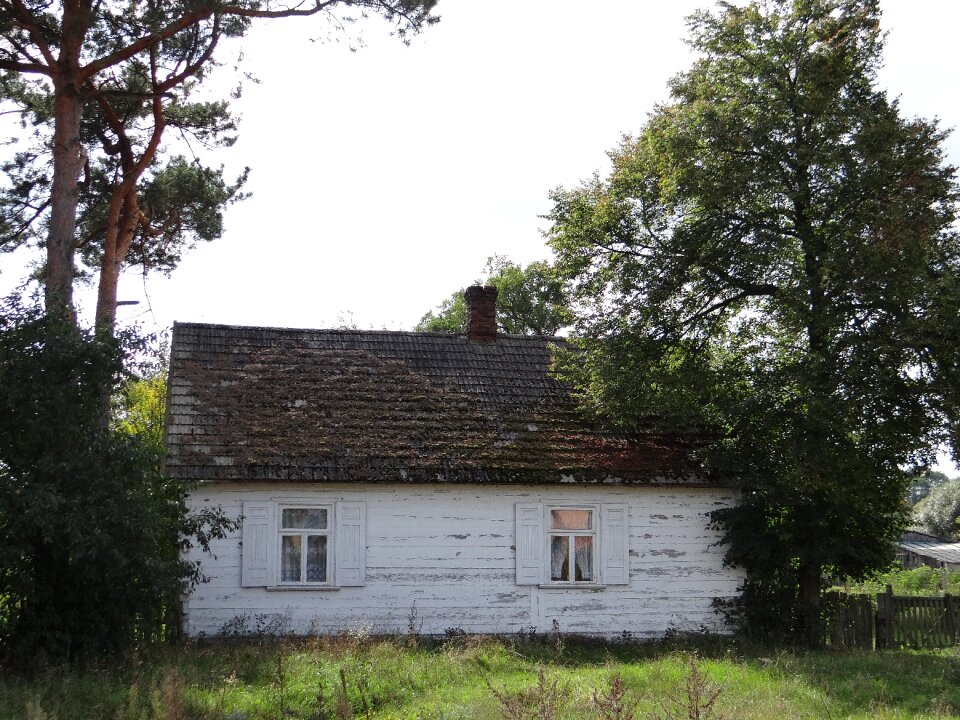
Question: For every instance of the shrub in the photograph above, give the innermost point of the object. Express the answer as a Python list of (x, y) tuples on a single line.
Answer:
[(89, 527)]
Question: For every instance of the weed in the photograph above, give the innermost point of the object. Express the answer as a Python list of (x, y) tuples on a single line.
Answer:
[(281, 683), (342, 709), (133, 700), (695, 700), (165, 700), (36, 712), (360, 632), (543, 701), (320, 711), (414, 625), (171, 696), (558, 642), (261, 625), (363, 699), (614, 704), (527, 633)]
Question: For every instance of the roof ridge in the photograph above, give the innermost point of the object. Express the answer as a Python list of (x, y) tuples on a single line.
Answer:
[(355, 331)]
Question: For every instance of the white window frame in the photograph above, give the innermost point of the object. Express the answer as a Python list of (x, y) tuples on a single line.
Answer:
[(611, 548), (304, 533), (260, 561), (594, 533)]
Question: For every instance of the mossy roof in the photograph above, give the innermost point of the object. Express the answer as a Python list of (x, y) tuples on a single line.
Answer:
[(275, 404)]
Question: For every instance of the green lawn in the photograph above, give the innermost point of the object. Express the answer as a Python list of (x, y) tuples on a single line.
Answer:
[(397, 679)]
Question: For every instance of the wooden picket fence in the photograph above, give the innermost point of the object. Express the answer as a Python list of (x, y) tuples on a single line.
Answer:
[(917, 622), (891, 621), (848, 621)]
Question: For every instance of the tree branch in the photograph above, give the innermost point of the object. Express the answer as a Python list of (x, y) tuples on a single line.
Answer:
[(27, 223), (145, 225), (174, 80), (17, 66), (144, 43), (23, 50), (29, 23), (752, 291), (153, 39), (289, 12)]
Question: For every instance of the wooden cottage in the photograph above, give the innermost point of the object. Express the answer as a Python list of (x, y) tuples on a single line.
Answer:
[(448, 481)]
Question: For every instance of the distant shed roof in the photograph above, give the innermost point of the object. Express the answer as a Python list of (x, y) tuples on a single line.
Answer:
[(931, 546), (249, 403)]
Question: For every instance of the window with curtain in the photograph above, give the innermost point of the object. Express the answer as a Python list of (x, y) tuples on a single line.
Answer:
[(304, 545), (572, 537)]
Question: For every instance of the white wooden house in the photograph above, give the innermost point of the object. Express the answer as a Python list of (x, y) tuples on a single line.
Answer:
[(390, 479)]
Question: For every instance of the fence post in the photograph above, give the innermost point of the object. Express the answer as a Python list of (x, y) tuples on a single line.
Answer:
[(951, 617), (885, 619), (878, 622), (889, 620)]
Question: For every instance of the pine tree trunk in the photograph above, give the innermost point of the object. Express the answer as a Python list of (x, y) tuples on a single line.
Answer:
[(121, 228), (64, 195), (67, 161), (106, 314)]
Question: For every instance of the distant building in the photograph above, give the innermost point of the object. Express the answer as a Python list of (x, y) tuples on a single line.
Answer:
[(917, 548)]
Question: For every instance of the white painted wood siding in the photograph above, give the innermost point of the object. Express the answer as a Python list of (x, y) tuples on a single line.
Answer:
[(445, 556)]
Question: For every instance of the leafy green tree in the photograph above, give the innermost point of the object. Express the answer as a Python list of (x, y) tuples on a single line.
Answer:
[(530, 301), (106, 80), (90, 531), (939, 512), (924, 484), (141, 408), (772, 261)]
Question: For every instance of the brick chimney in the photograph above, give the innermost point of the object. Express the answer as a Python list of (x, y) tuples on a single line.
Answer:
[(481, 313)]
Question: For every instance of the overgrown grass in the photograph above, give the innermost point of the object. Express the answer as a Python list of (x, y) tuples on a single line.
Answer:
[(469, 677), (917, 581)]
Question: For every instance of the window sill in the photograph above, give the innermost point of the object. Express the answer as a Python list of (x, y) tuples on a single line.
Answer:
[(572, 586), (307, 588)]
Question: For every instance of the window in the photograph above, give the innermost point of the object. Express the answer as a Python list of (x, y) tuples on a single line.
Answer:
[(572, 540), (295, 544), (304, 545), (572, 545)]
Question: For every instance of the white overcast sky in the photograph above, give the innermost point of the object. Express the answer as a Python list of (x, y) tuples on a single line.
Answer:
[(382, 179)]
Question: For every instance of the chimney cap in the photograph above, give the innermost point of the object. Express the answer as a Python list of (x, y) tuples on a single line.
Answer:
[(479, 290)]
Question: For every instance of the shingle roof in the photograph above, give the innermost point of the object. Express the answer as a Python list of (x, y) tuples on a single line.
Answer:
[(249, 403)]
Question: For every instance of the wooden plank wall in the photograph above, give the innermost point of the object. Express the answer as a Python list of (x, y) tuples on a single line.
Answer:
[(442, 557)]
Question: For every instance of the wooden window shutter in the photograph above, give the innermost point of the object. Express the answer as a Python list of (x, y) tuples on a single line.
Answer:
[(350, 553), (530, 542), (258, 540), (615, 543)]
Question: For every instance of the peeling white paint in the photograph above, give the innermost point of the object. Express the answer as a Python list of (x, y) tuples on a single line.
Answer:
[(451, 549)]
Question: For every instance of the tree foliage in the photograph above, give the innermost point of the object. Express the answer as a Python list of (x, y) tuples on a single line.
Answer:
[(102, 83), (141, 409), (90, 531), (939, 512), (923, 484), (772, 260), (531, 301)]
